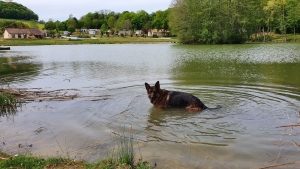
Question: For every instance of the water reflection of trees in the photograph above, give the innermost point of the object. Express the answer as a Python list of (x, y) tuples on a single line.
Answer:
[(17, 69), (205, 71)]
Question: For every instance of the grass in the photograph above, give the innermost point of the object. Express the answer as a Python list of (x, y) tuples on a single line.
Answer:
[(123, 158), (30, 24), (104, 40), (28, 162), (8, 103), (275, 38)]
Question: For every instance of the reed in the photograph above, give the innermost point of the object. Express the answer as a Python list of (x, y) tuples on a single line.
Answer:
[(8, 103)]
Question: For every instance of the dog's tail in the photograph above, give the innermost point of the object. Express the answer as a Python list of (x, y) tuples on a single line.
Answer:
[(213, 108)]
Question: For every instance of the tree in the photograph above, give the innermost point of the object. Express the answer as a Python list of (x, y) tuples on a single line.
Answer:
[(87, 20), (293, 15), (124, 21), (140, 20), (12, 10), (50, 25), (160, 20), (61, 26), (111, 22), (72, 24), (222, 21)]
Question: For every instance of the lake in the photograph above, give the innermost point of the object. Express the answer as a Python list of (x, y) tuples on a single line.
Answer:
[(256, 85)]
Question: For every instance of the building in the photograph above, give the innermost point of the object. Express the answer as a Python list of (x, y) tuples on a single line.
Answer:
[(158, 33), (139, 33), (66, 33), (15, 33), (125, 33), (90, 31)]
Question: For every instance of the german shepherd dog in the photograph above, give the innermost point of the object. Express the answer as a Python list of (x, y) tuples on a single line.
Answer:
[(172, 99)]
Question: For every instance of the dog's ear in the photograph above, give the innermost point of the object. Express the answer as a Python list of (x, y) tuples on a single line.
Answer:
[(147, 86), (157, 85)]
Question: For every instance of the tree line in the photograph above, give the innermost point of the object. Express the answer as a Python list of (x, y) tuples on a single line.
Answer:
[(192, 21), (108, 20), (232, 21), (12, 10)]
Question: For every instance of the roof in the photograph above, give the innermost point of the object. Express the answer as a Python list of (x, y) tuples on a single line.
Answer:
[(24, 31)]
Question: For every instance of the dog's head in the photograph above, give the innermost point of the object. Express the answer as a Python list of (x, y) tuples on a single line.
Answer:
[(153, 92)]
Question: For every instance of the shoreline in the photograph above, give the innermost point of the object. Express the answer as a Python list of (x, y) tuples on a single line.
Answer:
[(109, 40), (30, 161), (118, 40)]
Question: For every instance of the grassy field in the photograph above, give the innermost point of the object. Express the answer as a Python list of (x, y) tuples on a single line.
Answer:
[(30, 24), (110, 40)]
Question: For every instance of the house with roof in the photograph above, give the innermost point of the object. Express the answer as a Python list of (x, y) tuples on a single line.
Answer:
[(158, 33), (16, 33), (125, 33)]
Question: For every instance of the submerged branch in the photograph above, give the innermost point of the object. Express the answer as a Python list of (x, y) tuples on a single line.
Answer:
[(30, 95), (291, 125), (278, 165)]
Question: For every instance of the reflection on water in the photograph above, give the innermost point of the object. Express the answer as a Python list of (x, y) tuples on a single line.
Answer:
[(17, 68), (258, 87), (239, 64), (7, 111)]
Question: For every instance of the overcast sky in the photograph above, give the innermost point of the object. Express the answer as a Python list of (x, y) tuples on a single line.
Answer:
[(61, 9)]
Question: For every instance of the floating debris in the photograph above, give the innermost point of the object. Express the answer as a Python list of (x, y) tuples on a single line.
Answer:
[(36, 94), (11, 99)]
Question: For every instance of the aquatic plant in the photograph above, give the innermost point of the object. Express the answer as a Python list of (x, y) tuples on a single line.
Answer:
[(8, 103)]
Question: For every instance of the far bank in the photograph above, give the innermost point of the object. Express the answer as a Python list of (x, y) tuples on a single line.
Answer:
[(106, 40), (127, 40)]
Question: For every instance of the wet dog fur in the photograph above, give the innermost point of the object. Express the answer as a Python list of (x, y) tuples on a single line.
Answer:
[(173, 99)]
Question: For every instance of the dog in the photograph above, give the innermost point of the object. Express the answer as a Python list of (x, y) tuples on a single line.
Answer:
[(173, 99)]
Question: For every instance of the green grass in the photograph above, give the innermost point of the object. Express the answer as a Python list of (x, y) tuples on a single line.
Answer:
[(106, 40), (30, 24), (275, 38), (288, 37), (28, 162), (8, 103), (123, 158)]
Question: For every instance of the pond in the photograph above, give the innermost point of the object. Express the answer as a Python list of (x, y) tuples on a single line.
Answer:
[(256, 85)]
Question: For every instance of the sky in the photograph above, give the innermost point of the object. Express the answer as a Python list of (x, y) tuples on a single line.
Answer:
[(61, 9)]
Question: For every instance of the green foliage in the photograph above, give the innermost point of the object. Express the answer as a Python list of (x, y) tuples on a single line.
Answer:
[(160, 20), (108, 20), (12, 10), (28, 162), (72, 24), (230, 21), (7, 99), (8, 103), (140, 20), (50, 25), (23, 162), (11, 23)]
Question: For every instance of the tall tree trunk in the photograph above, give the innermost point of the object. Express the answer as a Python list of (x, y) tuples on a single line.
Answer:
[(264, 34), (283, 22), (294, 33)]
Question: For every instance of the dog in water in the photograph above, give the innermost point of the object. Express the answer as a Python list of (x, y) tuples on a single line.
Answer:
[(172, 99)]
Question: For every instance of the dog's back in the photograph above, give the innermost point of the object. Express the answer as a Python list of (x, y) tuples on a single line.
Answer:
[(164, 98), (181, 99)]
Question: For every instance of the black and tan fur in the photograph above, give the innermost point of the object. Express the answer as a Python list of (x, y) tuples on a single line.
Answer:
[(173, 99)]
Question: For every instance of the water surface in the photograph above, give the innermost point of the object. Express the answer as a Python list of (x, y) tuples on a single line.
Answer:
[(258, 87)]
